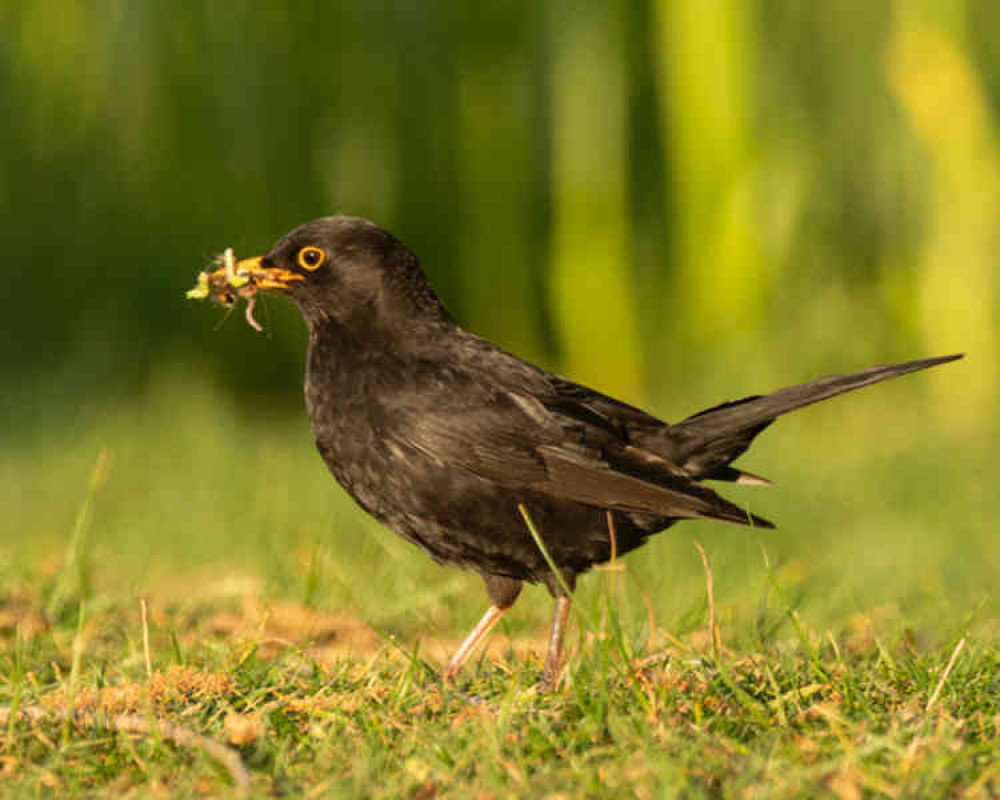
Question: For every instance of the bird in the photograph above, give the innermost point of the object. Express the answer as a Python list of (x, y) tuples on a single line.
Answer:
[(462, 448)]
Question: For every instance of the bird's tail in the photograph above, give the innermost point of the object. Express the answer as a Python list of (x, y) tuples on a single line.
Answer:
[(707, 442)]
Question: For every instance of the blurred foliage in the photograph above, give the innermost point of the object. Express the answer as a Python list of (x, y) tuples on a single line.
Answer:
[(624, 191)]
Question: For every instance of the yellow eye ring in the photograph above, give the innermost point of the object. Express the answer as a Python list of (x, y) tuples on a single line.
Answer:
[(311, 258)]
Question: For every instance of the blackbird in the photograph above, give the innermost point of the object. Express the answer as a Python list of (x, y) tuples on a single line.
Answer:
[(449, 440)]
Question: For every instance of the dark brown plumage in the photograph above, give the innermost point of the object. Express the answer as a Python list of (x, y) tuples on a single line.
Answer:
[(441, 435)]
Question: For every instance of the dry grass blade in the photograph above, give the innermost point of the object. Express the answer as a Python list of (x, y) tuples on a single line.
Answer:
[(227, 756), (945, 674), (133, 723), (613, 536), (713, 629), (145, 638)]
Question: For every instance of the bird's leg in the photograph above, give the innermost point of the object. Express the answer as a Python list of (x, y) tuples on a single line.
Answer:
[(502, 593), (484, 626), (554, 656)]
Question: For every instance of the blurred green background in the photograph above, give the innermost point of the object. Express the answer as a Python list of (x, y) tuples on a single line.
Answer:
[(675, 202)]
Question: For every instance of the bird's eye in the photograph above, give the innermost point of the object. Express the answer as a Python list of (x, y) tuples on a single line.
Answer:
[(311, 258)]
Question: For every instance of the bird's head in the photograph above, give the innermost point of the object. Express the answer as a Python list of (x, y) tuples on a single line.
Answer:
[(344, 269)]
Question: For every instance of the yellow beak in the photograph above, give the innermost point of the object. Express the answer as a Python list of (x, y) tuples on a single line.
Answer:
[(260, 277)]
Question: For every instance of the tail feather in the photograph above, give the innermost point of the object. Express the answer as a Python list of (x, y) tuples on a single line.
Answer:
[(708, 441), (733, 475)]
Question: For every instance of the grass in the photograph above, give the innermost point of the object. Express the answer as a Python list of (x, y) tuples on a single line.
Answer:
[(199, 606)]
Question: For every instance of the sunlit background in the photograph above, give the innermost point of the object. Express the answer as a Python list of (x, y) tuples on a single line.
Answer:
[(675, 202)]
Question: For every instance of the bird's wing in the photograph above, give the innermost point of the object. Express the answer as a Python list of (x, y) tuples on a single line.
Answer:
[(652, 444), (545, 442), (591, 406)]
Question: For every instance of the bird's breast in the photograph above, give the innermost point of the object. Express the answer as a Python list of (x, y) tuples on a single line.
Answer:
[(345, 390)]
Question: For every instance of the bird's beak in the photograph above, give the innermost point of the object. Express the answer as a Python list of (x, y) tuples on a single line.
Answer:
[(251, 270)]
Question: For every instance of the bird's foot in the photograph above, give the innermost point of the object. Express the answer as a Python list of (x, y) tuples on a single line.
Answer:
[(548, 683)]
